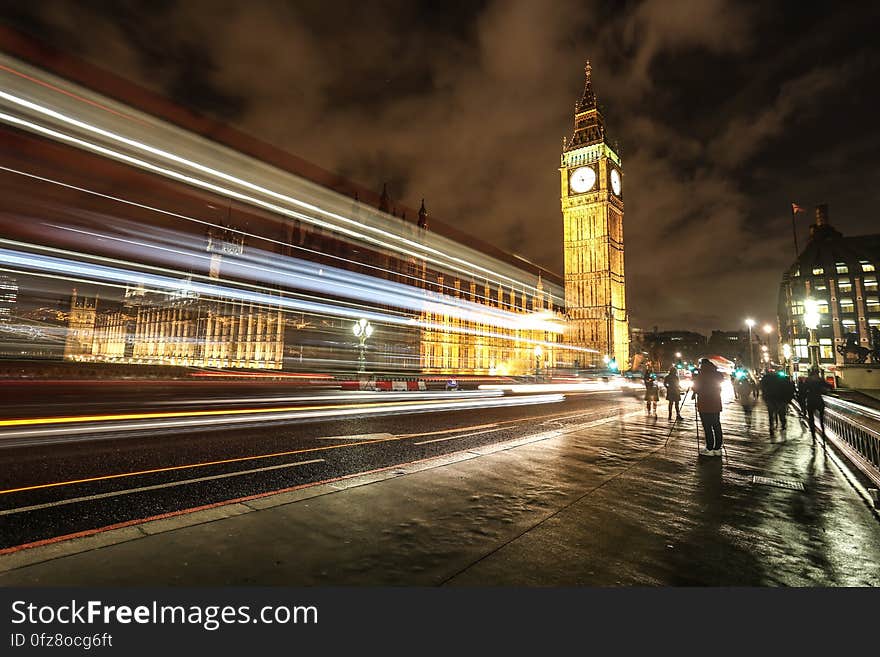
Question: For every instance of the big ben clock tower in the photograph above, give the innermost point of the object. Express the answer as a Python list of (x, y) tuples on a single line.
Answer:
[(592, 216)]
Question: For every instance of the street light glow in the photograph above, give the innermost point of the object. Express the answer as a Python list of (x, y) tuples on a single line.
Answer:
[(750, 322), (768, 328), (811, 314)]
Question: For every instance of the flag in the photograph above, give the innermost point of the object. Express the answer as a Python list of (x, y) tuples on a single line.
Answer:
[(795, 208)]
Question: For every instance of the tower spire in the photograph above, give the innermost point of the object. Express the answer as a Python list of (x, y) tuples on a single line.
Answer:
[(423, 216), (588, 98), (589, 128), (384, 201)]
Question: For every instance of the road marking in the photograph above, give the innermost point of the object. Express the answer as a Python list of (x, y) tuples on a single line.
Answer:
[(366, 437), (475, 433), (437, 433), (141, 489)]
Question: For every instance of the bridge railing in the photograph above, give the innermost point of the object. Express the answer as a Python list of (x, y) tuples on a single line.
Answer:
[(855, 430)]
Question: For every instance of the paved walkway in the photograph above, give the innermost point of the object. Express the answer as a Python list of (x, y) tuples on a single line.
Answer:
[(601, 503)]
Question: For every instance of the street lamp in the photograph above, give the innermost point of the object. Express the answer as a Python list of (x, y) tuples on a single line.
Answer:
[(811, 321), (362, 330), (750, 323), (538, 353)]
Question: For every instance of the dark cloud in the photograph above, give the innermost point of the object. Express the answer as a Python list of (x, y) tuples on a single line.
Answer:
[(725, 112)]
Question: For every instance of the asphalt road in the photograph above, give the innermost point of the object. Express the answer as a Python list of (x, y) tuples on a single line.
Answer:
[(56, 485)]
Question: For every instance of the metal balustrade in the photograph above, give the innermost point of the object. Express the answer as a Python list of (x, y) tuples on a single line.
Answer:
[(855, 430)]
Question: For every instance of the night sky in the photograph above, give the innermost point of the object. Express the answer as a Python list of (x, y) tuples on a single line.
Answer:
[(725, 113)]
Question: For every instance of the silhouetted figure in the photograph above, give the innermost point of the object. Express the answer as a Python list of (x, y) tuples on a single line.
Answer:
[(814, 387), (652, 394), (778, 392), (746, 390), (673, 392), (707, 387)]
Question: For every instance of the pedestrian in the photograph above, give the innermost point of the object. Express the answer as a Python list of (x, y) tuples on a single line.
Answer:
[(745, 392), (801, 395), (707, 387), (778, 392), (673, 392), (652, 394), (814, 387)]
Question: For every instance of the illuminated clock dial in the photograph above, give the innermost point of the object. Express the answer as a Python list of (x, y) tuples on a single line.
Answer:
[(583, 179), (615, 181)]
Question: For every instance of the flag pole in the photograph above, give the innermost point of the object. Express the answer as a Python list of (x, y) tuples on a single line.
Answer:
[(797, 251)]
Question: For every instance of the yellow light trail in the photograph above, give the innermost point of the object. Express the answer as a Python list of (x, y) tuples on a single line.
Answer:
[(235, 411)]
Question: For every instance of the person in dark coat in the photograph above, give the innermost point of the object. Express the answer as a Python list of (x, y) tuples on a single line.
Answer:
[(778, 391), (707, 387), (813, 389), (673, 392), (652, 394), (745, 388)]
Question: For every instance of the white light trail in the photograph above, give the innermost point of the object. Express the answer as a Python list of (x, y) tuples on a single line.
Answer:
[(12, 438), (352, 227)]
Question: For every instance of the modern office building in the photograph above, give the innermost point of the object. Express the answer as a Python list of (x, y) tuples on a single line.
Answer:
[(839, 274)]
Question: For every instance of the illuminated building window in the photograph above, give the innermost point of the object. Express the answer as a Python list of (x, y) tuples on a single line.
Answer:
[(844, 285), (872, 303), (848, 323), (846, 305), (842, 268), (825, 349), (818, 271), (797, 308), (866, 266), (870, 283), (801, 348)]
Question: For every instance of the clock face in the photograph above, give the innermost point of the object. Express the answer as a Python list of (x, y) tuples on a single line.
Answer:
[(615, 181), (583, 179)]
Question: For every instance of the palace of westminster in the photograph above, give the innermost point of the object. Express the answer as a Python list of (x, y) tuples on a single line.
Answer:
[(184, 328)]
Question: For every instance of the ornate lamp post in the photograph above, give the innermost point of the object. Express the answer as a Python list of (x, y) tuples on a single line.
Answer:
[(811, 321), (362, 330)]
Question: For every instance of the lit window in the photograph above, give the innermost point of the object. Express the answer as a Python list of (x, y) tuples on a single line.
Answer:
[(797, 271), (873, 304), (866, 266), (848, 323), (874, 322), (844, 284), (871, 283), (825, 349), (842, 268), (846, 305), (796, 309), (818, 271)]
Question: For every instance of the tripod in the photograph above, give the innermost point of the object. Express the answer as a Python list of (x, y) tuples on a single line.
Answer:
[(678, 417)]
